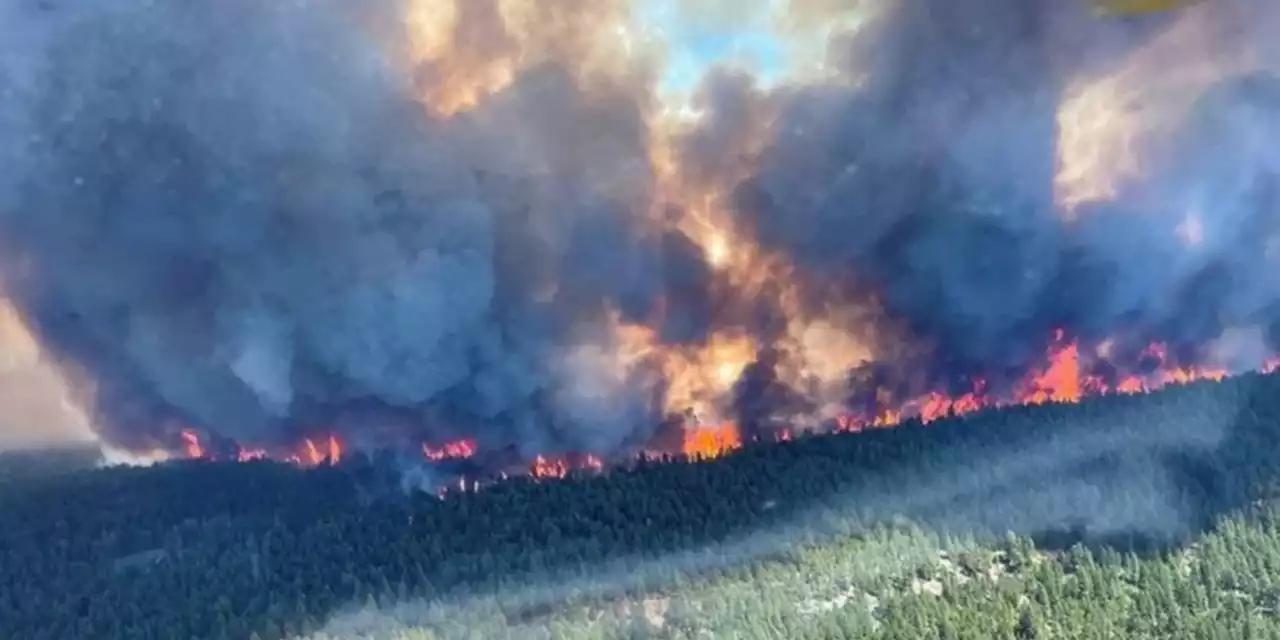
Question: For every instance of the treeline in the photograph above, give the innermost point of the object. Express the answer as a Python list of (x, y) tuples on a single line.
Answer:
[(213, 550)]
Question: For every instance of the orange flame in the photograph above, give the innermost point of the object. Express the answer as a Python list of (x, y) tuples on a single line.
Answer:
[(548, 468), (450, 450), (308, 454), (192, 441), (1061, 380), (710, 442)]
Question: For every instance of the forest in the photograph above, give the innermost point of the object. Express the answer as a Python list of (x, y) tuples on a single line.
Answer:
[(1137, 516)]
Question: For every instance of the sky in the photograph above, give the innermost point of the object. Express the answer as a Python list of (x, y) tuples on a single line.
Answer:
[(699, 39)]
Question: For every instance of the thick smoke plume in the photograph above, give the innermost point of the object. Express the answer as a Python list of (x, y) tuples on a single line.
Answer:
[(421, 221)]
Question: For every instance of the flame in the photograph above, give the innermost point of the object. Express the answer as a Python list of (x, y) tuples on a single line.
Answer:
[(548, 468), (193, 447), (461, 53), (335, 449), (450, 450), (1062, 379), (309, 452), (1104, 121), (709, 442), (818, 347)]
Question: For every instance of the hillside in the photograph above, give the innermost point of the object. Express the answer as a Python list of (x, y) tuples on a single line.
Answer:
[(920, 530)]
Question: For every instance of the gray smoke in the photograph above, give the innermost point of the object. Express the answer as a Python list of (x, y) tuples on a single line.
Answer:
[(238, 216), (927, 168)]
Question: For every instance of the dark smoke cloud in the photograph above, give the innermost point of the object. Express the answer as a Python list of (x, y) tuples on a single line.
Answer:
[(238, 215), (927, 167)]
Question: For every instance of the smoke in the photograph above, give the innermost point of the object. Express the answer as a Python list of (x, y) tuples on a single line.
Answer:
[(934, 177), (35, 406), (239, 218), (488, 220)]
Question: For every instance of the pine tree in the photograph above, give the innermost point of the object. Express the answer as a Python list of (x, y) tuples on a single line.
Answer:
[(1028, 628)]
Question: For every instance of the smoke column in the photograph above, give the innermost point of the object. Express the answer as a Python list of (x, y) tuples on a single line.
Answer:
[(549, 225)]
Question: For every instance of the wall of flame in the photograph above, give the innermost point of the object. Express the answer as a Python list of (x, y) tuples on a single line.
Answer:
[(712, 82)]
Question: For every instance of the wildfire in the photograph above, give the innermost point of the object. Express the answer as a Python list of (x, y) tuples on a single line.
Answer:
[(1105, 122), (449, 451), (709, 442), (545, 468), (193, 447), (1064, 378), (310, 452)]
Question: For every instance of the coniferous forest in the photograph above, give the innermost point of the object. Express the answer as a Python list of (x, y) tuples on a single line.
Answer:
[(1125, 516)]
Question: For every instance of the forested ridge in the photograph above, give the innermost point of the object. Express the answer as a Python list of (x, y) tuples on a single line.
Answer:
[(1145, 516)]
